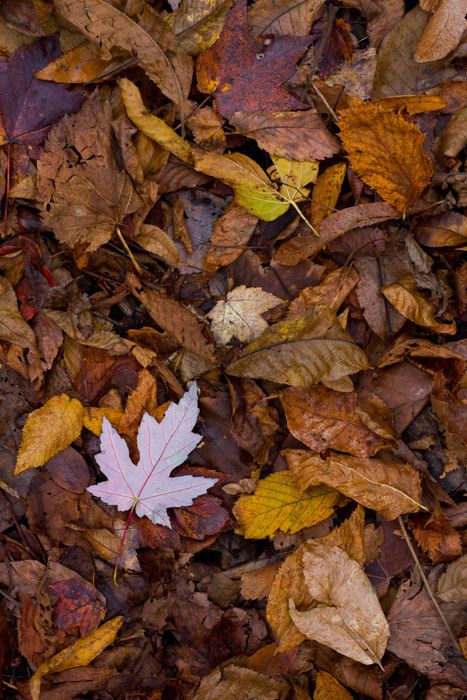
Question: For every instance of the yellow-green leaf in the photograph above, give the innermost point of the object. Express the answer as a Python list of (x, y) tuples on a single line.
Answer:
[(278, 504), (49, 430), (81, 653)]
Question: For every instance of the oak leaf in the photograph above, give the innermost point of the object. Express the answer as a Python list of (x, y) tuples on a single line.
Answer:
[(277, 504), (147, 488), (246, 75), (386, 151), (239, 314), (49, 430), (452, 585), (348, 618), (303, 350), (390, 488), (324, 419)]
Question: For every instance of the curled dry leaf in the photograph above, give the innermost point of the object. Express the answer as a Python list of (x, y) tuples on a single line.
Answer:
[(443, 31), (390, 488), (452, 585), (324, 419), (13, 327), (239, 314), (406, 298), (49, 430), (349, 618), (277, 504), (386, 151), (303, 350)]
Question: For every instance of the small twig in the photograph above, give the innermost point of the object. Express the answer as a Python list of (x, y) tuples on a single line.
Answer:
[(136, 265), (326, 103), (427, 585)]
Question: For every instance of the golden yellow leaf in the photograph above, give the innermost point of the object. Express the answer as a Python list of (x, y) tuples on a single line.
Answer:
[(239, 314), (48, 430), (326, 193), (349, 618), (386, 151), (92, 418), (405, 297), (278, 504), (303, 350), (80, 64), (152, 126), (390, 488), (156, 241), (198, 23), (327, 688), (413, 104), (81, 653)]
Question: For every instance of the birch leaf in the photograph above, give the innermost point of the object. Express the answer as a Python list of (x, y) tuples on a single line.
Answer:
[(148, 487), (239, 314)]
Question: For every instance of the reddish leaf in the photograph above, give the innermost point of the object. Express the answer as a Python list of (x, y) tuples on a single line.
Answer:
[(30, 106), (77, 606)]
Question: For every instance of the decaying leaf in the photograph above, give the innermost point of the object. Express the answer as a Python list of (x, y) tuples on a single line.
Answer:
[(230, 236), (13, 327), (241, 683), (277, 504), (198, 23), (386, 151), (283, 17), (443, 31), (239, 315), (390, 488), (349, 618), (452, 585)]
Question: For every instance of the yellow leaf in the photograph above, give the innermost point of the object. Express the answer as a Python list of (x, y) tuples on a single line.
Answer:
[(302, 350), (294, 175), (386, 151), (92, 418), (198, 23), (80, 64), (390, 488), (277, 504), (327, 688), (152, 126), (405, 297), (81, 653), (326, 193), (49, 430), (239, 314), (413, 104), (157, 242)]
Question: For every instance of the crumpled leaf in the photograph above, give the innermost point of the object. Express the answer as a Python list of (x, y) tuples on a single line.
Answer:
[(283, 17), (452, 585), (386, 151), (349, 618), (151, 41), (244, 74), (406, 298), (324, 419), (443, 31), (147, 488), (277, 504), (49, 430), (303, 350), (78, 605), (239, 314), (198, 23), (390, 488), (295, 135), (81, 653)]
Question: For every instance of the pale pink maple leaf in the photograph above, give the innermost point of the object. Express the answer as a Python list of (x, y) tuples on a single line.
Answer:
[(162, 447)]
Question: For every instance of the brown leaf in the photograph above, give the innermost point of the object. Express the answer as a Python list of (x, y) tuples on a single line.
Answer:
[(436, 536), (257, 584), (406, 298), (294, 135), (452, 585), (454, 137), (327, 688), (254, 421), (283, 17), (241, 683), (231, 233), (78, 606), (443, 31), (381, 16), (174, 318), (446, 229), (324, 419), (13, 327), (332, 291), (390, 488), (393, 559), (326, 193)]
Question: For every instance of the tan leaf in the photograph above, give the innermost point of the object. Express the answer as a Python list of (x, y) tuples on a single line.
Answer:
[(327, 688), (326, 193), (446, 229), (256, 584), (283, 17), (349, 618), (302, 350), (443, 32), (173, 317), (386, 151), (295, 135), (232, 231), (454, 136), (241, 683), (156, 241), (206, 127), (13, 327), (390, 488), (81, 64), (239, 314), (406, 298), (324, 419), (349, 536), (148, 40), (198, 23), (84, 201), (332, 291), (452, 585), (277, 504), (100, 337), (49, 430)]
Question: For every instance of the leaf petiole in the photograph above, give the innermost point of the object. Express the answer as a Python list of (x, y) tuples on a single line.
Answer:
[(122, 543)]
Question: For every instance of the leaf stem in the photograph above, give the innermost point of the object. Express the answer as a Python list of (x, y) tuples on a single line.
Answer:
[(122, 543), (136, 265)]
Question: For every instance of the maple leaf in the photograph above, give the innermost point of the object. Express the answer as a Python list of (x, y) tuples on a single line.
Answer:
[(147, 488), (239, 314), (244, 73)]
